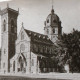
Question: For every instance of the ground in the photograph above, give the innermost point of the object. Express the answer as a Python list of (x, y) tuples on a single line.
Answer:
[(47, 76)]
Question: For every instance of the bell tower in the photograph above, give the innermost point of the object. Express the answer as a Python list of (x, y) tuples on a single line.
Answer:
[(8, 36), (53, 26)]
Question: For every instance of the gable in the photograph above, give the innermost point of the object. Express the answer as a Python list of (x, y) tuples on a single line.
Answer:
[(22, 36)]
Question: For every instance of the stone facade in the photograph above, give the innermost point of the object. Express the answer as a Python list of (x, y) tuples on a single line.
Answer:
[(29, 52), (8, 37)]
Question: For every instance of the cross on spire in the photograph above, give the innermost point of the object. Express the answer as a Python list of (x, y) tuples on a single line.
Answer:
[(52, 11), (7, 5)]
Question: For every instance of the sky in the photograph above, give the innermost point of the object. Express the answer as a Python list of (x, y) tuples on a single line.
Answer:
[(33, 13)]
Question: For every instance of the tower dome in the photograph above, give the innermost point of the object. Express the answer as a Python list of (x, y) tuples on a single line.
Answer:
[(53, 26), (52, 19)]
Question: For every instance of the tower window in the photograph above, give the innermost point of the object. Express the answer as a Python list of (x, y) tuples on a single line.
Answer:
[(22, 36), (14, 66), (32, 62), (48, 21), (12, 26), (54, 21), (53, 30), (4, 25)]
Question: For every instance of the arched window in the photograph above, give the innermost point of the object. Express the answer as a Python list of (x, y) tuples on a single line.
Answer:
[(53, 30), (4, 25), (32, 62), (48, 21), (14, 66), (22, 35), (12, 26), (54, 21), (22, 47)]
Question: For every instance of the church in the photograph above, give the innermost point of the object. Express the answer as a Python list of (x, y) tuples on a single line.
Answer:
[(28, 51)]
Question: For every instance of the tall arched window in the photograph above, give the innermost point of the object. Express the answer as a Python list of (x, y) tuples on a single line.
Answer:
[(14, 66), (53, 30), (12, 26), (22, 35), (4, 25), (32, 62)]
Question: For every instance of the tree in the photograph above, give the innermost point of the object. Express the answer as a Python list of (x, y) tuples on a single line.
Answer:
[(72, 42), (60, 55)]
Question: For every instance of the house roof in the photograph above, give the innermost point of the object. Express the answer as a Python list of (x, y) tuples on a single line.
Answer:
[(40, 38)]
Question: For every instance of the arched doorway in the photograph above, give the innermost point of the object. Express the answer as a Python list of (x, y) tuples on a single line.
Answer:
[(22, 64)]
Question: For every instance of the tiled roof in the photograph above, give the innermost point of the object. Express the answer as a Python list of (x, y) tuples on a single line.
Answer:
[(37, 37)]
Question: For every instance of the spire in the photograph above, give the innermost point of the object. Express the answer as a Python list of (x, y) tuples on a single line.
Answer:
[(52, 4), (7, 5), (52, 11)]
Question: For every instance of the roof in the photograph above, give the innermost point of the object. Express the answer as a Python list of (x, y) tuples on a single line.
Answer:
[(54, 16), (6, 10), (40, 38)]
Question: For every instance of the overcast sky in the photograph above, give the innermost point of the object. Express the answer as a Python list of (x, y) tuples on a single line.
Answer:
[(33, 13)]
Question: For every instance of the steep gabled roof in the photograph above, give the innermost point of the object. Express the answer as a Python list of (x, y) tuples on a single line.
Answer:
[(37, 37)]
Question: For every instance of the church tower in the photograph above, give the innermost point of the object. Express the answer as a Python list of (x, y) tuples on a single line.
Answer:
[(8, 36), (53, 26)]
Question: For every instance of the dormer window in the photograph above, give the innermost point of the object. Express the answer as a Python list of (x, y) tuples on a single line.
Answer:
[(48, 21), (4, 25)]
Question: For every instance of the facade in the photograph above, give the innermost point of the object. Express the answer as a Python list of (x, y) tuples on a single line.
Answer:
[(29, 52), (8, 36)]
